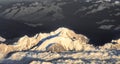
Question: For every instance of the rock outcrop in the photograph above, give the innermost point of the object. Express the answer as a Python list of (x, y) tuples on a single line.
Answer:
[(114, 44), (117, 41), (56, 48)]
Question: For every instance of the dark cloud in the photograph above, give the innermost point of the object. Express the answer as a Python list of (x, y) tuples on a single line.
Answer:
[(33, 25), (105, 21), (106, 27)]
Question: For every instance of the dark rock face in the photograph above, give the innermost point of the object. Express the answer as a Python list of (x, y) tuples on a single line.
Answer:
[(97, 19)]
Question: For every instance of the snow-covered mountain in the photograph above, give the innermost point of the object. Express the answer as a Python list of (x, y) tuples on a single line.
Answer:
[(60, 46), (100, 17)]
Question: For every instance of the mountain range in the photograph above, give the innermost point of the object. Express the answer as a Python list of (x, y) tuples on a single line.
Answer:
[(89, 17)]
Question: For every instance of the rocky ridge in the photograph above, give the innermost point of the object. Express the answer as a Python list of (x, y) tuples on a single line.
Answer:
[(60, 46)]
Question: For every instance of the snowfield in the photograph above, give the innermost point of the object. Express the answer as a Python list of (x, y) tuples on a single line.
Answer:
[(62, 46)]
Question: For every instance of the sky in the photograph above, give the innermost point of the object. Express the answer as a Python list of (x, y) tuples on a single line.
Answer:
[(90, 20)]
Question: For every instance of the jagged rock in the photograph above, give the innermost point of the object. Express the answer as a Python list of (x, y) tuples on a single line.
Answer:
[(35, 62), (5, 49), (25, 43), (111, 45), (116, 46), (56, 48), (46, 63), (88, 47), (117, 41), (17, 55), (106, 46)]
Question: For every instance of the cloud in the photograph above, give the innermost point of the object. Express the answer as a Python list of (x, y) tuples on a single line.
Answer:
[(99, 8), (88, 0), (36, 11), (117, 28), (106, 27), (33, 25), (105, 21), (117, 2), (117, 14), (0, 6)]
